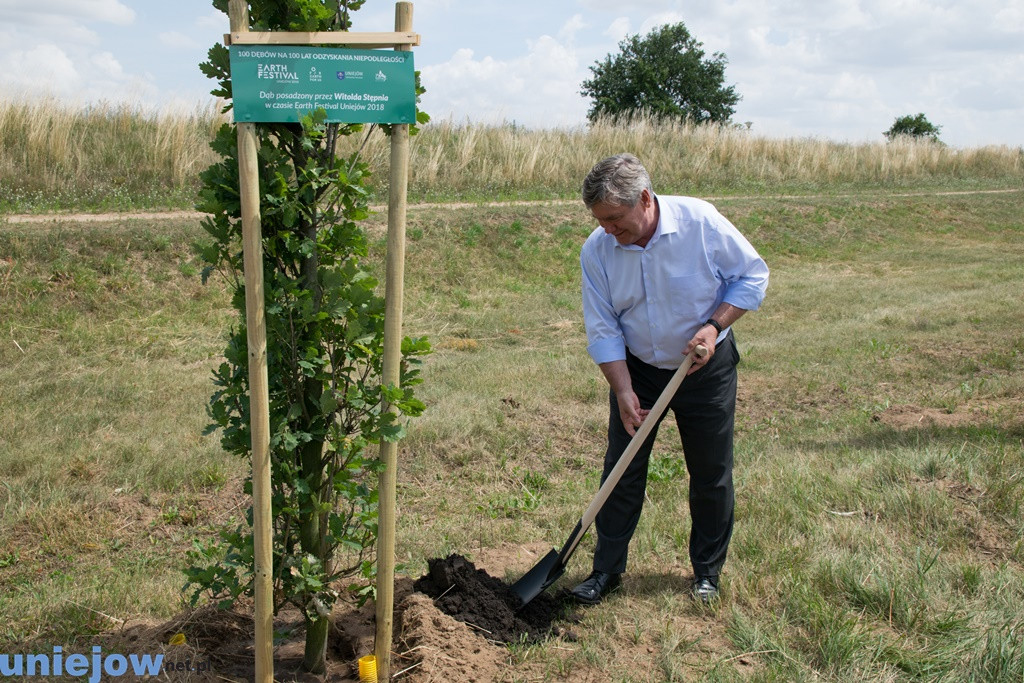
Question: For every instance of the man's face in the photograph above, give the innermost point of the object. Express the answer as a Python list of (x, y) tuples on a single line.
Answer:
[(627, 224)]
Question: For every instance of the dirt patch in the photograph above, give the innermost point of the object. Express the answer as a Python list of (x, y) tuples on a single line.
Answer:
[(760, 400), (987, 536), (486, 603), (433, 646), (1005, 413), (108, 217), (460, 635), (209, 644), (915, 417)]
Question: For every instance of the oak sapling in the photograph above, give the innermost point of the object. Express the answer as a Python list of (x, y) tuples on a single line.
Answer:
[(325, 334)]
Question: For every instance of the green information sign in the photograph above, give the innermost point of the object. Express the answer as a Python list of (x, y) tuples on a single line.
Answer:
[(280, 84)]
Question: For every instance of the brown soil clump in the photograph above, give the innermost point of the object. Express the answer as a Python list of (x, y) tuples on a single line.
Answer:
[(487, 604), (432, 646)]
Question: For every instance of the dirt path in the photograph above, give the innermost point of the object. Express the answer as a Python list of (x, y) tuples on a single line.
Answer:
[(183, 214), (20, 218)]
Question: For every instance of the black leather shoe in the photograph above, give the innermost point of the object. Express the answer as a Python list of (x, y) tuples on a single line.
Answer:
[(705, 589), (597, 585)]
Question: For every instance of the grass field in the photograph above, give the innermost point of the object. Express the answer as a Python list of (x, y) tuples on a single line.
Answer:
[(879, 532), (54, 157)]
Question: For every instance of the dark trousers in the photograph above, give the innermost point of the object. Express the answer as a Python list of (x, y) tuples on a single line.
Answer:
[(704, 408)]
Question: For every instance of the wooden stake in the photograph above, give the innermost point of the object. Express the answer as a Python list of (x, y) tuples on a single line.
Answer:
[(393, 292), (259, 394), (362, 40)]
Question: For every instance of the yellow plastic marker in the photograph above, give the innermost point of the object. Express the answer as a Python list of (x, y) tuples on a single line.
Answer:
[(368, 669)]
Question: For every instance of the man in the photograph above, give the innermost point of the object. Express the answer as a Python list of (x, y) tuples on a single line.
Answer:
[(661, 275)]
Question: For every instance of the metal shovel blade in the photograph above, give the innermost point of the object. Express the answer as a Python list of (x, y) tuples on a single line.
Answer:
[(536, 581)]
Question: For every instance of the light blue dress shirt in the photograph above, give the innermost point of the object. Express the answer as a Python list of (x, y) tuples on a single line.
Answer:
[(653, 299)]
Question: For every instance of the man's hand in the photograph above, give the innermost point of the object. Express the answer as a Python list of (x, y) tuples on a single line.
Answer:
[(706, 336), (725, 315), (630, 412)]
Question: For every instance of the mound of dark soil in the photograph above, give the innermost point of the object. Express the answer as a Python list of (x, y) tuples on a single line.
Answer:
[(487, 604)]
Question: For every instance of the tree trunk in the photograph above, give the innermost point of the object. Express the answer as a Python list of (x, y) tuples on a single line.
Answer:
[(312, 532), (311, 536), (315, 658)]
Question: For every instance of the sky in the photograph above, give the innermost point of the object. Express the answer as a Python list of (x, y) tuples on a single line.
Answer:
[(840, 70)]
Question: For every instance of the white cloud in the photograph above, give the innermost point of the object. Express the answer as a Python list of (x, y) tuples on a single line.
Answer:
[(108, 11), (618, 29), (660, 19), (621, 6), (214, 21), (63, 32), (1011, 16), (549, 59), (539, 88), (463, 88), (45, 66), (176, 39), (853, 88), (106, 67), (434, 5), (763, 46), (574, 25)]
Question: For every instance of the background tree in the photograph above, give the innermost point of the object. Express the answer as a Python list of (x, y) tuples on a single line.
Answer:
[(913, 126), (664, 74), (325, 335)]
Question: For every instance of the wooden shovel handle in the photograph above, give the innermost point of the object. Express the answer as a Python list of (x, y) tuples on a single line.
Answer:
[(634, 445)]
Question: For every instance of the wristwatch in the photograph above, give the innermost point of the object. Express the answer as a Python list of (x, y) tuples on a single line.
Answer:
[(714, 324)]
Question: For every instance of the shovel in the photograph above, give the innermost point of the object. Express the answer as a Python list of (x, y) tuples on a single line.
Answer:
[(552, 566)]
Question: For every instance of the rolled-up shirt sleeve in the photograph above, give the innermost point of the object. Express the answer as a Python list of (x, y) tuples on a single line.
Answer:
[(605, 341), (739, 266)]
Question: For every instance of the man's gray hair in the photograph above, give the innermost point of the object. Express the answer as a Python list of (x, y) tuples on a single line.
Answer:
[(617, 180)]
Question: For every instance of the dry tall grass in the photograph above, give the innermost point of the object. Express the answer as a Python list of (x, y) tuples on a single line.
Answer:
[(466, 159), (116, 156), (53, 155)]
